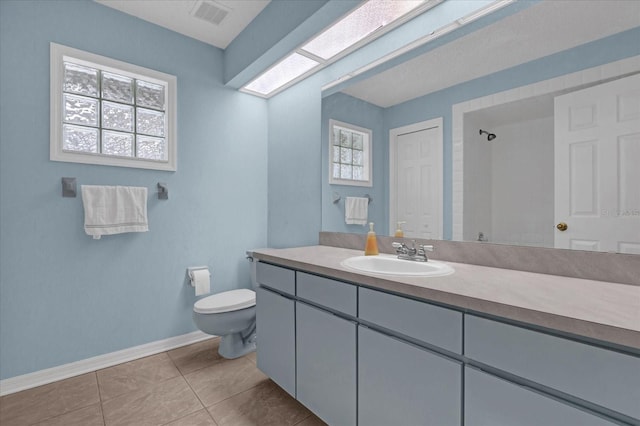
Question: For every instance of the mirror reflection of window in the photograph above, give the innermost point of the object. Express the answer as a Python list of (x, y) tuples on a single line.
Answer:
[(350, 153)]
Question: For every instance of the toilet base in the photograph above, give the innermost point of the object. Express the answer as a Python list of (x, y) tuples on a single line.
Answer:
[(234, 345)]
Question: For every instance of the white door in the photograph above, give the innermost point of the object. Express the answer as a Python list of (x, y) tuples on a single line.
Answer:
[(416, 179), (597, 167)]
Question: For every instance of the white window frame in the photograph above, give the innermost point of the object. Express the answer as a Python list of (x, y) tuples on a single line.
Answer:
[(60, 54), (367, 154)]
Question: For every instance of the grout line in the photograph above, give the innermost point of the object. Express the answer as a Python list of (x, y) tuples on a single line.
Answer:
[(310, 414), (211, 417), (104, 421), (195, 393)]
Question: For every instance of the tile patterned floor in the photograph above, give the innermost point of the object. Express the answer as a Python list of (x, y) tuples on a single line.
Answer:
[(188, 386)]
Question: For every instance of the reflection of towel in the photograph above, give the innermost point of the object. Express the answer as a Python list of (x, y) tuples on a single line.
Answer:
[(356, 210), (114, 209)]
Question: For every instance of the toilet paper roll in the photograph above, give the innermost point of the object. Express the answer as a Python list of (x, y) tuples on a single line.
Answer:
[(200, 280)]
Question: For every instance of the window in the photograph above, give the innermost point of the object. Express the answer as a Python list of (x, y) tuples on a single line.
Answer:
[(350, 154), (109, 112)]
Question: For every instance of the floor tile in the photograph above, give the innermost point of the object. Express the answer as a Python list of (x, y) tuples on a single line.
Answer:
[(263, 405), (199, 418), (154, 405), (89, 416), (44, 402), (225, 379), (312, 420), (135, 375), (197, 356), (252, 357)]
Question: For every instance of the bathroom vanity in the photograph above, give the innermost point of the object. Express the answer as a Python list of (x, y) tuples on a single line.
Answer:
[(483, 346)]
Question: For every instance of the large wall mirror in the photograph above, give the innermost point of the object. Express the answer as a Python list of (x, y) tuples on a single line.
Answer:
[(524, 130)]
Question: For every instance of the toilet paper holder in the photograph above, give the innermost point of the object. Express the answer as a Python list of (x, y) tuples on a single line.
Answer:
[(192, 269)]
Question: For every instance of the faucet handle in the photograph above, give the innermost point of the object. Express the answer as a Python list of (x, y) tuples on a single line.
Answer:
[(401, 248)]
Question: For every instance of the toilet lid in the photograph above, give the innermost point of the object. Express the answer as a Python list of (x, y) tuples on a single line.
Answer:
[(226, 301)]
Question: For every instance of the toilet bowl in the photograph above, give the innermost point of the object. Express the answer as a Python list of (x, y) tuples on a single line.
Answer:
[(232, 316)]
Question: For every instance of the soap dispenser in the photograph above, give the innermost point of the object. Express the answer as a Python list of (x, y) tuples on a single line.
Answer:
[(371, 248), (399, 232)]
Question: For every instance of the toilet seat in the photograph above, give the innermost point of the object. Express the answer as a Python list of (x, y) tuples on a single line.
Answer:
[(226, 301)]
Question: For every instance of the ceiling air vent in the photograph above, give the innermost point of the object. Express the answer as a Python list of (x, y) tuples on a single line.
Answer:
[(210, 11)]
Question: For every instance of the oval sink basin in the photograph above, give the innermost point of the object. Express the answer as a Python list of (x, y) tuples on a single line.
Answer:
[(391, 265)]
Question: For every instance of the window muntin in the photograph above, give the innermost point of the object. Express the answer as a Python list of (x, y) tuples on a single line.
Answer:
[(109, 112), (349, 154)]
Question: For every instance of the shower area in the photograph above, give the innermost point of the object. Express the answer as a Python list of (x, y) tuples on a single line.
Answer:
[(509, 155)]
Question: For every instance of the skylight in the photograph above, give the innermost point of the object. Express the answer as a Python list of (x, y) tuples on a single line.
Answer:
[(292, 67), (354, 27), (357, 27)]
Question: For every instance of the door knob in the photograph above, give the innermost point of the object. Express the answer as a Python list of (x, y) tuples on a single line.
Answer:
[(562, 226)]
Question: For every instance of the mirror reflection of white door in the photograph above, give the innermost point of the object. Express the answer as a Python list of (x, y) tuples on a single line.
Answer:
[(597, 167), (415, 167)]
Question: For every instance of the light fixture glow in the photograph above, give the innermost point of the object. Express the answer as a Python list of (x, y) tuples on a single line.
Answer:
[(357, 25), (290, 68), (362, 25)]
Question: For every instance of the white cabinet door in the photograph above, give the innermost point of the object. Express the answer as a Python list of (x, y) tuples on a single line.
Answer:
[(597, 172)]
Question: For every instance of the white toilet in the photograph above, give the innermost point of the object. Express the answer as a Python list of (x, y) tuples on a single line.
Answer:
[(232, 316)]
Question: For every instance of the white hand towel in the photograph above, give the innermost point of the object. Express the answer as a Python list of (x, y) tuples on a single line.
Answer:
[(356, 210), (114, 209)]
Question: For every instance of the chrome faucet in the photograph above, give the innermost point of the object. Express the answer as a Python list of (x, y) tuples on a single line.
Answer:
[(418, 254)]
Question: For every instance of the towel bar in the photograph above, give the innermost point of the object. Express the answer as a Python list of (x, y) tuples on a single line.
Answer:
[(69, 188), (337, 197)]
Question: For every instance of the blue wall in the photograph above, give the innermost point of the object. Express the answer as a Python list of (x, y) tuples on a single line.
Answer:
[(294, 166), (351, 110), (66, 297)]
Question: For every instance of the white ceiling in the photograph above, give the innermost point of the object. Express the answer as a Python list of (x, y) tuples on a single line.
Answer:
[(176, 15), (543, 29)]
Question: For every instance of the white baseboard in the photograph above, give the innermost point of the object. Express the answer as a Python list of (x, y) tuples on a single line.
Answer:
[(49, 375)]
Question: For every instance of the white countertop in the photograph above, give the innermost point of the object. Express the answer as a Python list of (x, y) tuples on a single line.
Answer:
[(595, 309)]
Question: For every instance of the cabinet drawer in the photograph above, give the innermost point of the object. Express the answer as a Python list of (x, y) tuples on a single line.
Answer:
[(601, 376), (276, 277), (491, 401), (428, 323), (333, 294)]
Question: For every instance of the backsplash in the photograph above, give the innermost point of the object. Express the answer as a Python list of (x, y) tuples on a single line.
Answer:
[(612, 267)]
